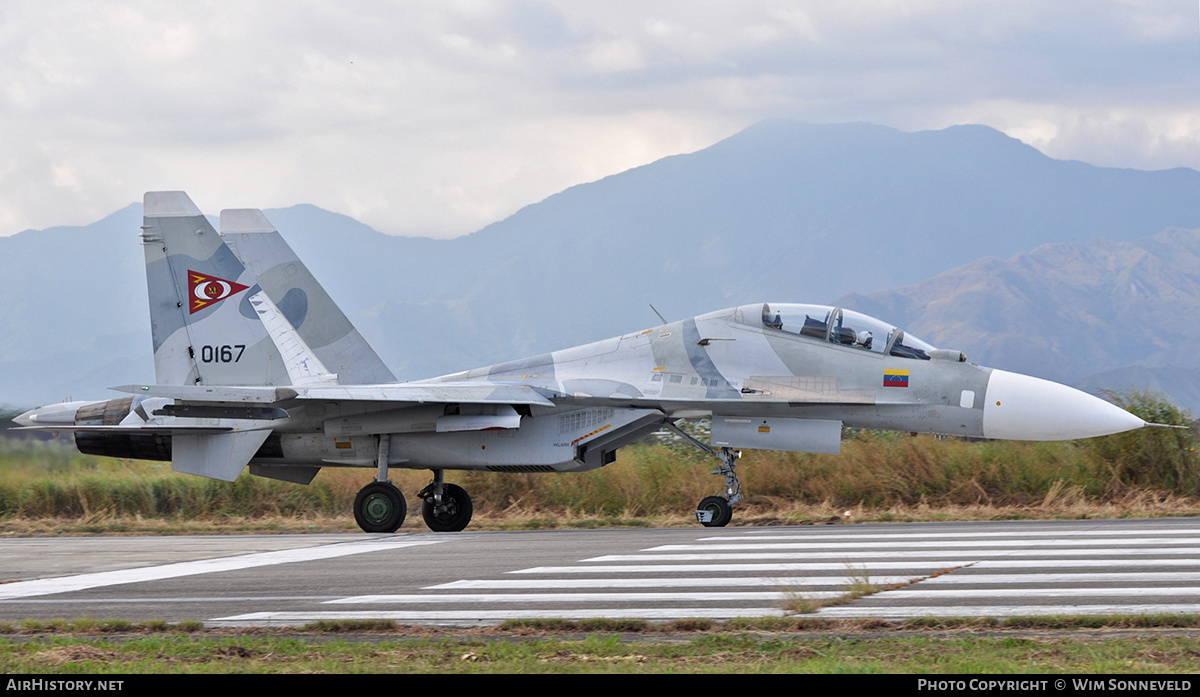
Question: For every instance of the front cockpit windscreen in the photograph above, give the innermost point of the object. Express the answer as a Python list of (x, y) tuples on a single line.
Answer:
[(844, 327)]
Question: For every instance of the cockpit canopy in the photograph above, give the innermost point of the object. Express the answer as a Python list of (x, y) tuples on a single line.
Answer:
[(843, 327)]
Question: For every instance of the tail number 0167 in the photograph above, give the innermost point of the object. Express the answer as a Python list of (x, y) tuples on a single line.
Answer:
[(222, 354)]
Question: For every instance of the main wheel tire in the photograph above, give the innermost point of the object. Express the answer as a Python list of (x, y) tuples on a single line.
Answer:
[(380, 507), (453, 514), (721, 511)]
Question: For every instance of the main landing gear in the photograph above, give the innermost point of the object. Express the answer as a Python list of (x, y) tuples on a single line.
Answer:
[(445, 507), (717, 511), (380, 507)]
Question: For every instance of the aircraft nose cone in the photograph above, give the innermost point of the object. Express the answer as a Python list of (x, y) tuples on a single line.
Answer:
[(1020, 407)]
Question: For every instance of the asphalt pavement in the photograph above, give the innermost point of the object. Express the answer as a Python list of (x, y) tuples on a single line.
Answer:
[(996, 569)]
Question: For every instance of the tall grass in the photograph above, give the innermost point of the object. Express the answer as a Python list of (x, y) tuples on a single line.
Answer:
[(878, 471), (1164, 458)]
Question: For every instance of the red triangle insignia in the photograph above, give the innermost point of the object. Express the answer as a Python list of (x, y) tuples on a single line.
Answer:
[(204, 291)]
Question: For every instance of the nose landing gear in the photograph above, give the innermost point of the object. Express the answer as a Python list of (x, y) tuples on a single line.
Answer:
[(717, 511)]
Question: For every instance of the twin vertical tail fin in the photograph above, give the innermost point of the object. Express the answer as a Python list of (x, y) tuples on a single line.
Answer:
[(320, 326), (205, 330), (240, 308), (215, 322), (204, 327)]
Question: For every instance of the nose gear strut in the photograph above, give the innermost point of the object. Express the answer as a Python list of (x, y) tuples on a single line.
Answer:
[(716, 511)]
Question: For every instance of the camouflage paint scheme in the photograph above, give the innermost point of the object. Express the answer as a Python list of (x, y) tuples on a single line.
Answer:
[(256, 365)]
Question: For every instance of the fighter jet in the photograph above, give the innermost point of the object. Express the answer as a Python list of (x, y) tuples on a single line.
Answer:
[(256, 365)]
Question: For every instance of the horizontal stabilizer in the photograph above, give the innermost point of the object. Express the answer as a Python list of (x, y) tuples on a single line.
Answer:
[(144, 429), (217, 456)]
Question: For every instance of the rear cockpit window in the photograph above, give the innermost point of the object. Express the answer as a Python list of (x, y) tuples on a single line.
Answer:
[(845, 328)]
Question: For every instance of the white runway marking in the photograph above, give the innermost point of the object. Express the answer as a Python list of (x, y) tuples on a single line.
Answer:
[(749, 537), (851, 555), (468, 617), (1015, 572), (167, 601), (1080, 563), (897, 612), (913, 593), (789, 581), (701, 582), (64, 584), (1118, 544), (534, 598), (1082, 577), (931, 566)]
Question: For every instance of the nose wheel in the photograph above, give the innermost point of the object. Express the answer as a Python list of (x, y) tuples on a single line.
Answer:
[(714, 512)]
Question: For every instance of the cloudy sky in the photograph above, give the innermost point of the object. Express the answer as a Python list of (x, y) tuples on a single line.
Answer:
[(436, 118)]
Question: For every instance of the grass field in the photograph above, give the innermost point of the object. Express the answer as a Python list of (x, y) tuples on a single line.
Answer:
[(47, 487), (1030, 645)]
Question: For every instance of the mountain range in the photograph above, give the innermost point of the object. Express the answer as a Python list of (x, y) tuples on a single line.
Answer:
[(967, 238), (1103, 315)]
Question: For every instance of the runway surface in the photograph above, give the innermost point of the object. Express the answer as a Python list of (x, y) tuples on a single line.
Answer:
[(997, 569)]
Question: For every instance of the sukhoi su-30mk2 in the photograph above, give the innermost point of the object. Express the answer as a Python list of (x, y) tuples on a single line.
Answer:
[(256, 366)]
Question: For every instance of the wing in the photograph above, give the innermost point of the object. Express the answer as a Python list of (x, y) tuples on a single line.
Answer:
[(397, 393)]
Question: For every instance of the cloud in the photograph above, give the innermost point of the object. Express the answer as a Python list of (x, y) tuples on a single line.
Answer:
[(437, 118)]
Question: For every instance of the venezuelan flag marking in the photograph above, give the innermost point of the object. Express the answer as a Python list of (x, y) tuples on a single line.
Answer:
[(895, 378)]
